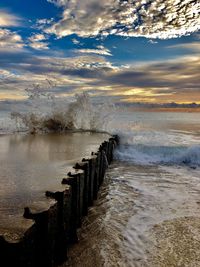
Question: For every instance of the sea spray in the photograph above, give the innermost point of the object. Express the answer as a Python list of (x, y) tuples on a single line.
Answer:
[(146, 138), (47, 113)]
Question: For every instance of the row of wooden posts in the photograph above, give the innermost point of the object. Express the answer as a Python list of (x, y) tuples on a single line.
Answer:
[(54, 230)]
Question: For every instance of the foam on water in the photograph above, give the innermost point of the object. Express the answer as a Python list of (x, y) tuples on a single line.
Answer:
[(159, 138), (146, 155)]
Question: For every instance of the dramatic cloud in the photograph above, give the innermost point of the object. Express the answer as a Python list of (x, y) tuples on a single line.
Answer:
[(162, 81), (71, 75), (126, 69), (173, 80), (10, 41), (150, 18), (7, 19)]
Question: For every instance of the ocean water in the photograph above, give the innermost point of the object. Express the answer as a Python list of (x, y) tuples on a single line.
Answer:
[(148, 211), (159, 161)]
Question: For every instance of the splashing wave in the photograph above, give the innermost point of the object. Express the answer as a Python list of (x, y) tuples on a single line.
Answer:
[(49, 114)]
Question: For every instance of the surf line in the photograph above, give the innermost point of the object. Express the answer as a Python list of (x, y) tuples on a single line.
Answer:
[(53, 230)]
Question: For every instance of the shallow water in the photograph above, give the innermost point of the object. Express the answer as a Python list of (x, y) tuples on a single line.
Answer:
[(33, 164), (148, 211)]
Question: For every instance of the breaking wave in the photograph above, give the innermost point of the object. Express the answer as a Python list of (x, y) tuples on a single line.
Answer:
[(170, 155), (46, 113), (140, 143)]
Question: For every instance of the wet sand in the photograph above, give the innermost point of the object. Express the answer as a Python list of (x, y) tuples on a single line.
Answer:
[(177, 243)]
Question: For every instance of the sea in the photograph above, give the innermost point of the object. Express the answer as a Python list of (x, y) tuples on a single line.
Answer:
[(148, 210)]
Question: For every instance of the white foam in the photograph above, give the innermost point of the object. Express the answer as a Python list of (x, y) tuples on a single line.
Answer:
[(149, 154)]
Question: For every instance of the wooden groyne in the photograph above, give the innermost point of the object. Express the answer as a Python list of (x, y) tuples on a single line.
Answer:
[(49, 232)]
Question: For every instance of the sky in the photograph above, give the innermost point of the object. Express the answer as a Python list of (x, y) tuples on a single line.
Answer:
[(123, 50)]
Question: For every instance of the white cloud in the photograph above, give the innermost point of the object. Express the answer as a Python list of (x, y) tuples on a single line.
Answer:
[(39, 45), (150, 18), (57, 2), (40, 24), (44, 21), (152, 42), (7, 19), (101, 50), (37, 37), (85, 18), (75, 41), (36, 41), (177, 79), (194, 47), (10, 41)]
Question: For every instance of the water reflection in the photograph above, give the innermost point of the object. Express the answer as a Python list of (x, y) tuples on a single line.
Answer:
[(30, 165)]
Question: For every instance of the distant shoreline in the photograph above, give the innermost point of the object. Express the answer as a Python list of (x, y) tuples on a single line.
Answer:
[(187, 110)]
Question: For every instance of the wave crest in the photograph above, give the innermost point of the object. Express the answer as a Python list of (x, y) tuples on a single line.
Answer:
[(168, 155)]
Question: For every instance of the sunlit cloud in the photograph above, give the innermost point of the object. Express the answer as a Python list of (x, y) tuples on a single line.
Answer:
[(149, 18), (37, 38), (39, 45), (10, 41), (160, 81), (99, 55), (100, 50), (69, 74), (8, 19), (193, 47), (37, 41)]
